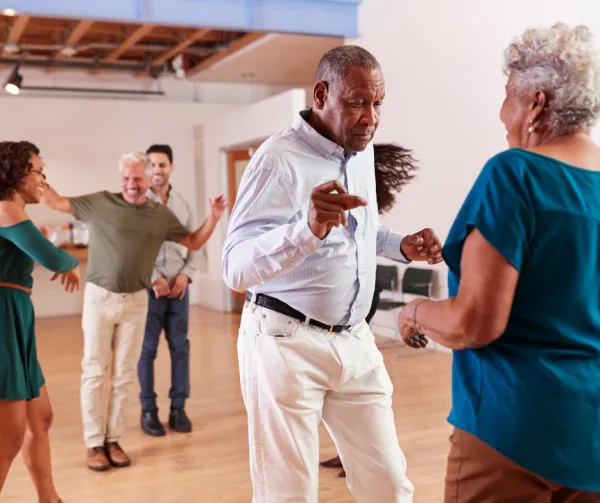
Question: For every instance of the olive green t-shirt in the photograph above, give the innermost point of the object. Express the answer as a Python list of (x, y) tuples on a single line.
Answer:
[(124, 239)]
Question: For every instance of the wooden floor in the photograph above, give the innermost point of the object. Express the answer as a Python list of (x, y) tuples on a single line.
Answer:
[(211, 463)]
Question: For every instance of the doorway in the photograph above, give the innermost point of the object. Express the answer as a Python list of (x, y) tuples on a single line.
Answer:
[(237, 160)]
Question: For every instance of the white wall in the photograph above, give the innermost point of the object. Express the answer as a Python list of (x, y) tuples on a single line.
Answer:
[(243, 126), (444, 88), (81, 141), (442, 63)]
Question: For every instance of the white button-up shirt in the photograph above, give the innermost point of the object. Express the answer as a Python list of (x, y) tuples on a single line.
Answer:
[(270, 248)]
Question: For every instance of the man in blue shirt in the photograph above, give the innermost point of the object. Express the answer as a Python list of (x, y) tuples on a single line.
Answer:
[(303, 239)]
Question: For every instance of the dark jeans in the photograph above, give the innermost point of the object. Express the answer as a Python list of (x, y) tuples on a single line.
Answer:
[(172, 316)]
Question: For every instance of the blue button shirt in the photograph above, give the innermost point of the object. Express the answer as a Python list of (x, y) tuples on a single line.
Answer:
[(270, 248), (534, 394)]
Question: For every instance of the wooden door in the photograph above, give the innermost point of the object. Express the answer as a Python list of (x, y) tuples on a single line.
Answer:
[(237, 160)]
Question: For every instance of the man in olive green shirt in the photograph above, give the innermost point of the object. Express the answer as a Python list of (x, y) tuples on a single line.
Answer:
[(126, 232)]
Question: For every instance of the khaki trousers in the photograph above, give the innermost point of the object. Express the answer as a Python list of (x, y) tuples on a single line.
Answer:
[(477, 473), (113, 331)]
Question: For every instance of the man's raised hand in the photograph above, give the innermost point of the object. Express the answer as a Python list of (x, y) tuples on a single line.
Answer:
[(327, 208)]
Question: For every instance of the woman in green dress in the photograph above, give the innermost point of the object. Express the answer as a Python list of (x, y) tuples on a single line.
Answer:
[(24, 405)]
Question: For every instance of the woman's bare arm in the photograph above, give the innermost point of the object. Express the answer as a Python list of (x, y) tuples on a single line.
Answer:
[(479, 313)]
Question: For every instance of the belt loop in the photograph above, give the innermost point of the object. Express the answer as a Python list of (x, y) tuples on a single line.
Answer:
[(307, 321)]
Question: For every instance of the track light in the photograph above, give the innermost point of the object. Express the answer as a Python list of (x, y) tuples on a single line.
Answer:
[(13, 84)]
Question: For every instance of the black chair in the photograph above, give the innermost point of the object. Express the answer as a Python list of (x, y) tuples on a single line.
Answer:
[(414, 282)]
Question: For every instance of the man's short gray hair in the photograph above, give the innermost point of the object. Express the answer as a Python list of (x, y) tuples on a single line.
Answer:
[(137, 157), (563, 63), (336, 62)]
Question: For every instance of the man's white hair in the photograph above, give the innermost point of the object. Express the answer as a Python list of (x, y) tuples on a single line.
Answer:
[(133, 158)]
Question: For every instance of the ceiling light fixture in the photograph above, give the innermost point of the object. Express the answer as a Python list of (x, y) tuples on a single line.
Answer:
[(13, 84)]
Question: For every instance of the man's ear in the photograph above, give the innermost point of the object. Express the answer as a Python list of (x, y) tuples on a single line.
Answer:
[(320, 94)]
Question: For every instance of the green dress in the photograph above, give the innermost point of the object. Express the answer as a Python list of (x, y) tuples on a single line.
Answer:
[(20, 246)]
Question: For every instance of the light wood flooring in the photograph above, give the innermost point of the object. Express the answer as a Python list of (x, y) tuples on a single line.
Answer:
[(210, 465)]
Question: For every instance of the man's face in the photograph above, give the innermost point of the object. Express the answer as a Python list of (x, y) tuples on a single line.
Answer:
[(134, 183), (161, 169), (351, 107)]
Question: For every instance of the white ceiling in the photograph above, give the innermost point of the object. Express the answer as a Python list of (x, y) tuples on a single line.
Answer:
[(275, 59)]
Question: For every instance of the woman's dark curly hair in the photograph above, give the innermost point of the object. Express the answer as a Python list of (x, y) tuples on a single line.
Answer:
[(394, 168), (14, 165)]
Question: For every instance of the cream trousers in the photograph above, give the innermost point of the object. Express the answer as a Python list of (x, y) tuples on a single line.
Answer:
[(113, 331), (293, 375)]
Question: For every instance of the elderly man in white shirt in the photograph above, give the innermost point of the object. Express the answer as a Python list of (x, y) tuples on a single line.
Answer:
[(302, 240)]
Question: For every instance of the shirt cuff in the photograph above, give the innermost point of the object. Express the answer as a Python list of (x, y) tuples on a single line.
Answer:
[(155, 275), (189, 272), (305, 240), (392, 248)]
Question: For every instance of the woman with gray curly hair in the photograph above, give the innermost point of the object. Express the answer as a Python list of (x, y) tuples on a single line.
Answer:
[(523, 317)]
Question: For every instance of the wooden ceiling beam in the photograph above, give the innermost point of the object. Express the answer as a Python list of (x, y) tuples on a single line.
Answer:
[(235, 46), (177, 49), (16, 31), (129, 42), (76, 35)]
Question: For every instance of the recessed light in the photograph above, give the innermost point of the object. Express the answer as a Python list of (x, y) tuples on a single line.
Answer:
[(68, 51), (11, 48), (9, 12)]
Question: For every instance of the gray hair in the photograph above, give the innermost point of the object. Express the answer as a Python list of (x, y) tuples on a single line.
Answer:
[(336, 62), (564, 64), (137, 157)]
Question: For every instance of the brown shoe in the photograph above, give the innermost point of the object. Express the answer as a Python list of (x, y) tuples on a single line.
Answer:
[(116, 455), (97, 460), (332, 463)]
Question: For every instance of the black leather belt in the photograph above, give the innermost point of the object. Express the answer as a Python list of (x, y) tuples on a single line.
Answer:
[(281, 307)]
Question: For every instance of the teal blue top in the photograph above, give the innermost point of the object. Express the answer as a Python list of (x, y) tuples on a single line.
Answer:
[(534, 394), (23, 244)]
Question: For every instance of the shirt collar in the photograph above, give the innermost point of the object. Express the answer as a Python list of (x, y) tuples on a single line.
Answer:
[(316, 140), (154, 197)]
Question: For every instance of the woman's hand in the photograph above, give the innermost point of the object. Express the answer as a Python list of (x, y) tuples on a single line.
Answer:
[(415, 336), (408, 329), (70, 280)]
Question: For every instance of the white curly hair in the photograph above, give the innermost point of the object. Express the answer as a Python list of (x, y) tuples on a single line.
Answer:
[(563, 63), (137, 157)]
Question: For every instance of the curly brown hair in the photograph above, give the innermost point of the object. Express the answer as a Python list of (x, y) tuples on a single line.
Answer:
[(14, 165), (394, 168)]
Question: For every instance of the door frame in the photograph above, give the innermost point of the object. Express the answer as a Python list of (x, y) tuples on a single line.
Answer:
[(233, 156)]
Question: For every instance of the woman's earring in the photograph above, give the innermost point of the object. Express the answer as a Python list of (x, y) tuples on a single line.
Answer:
[(531, 128)]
